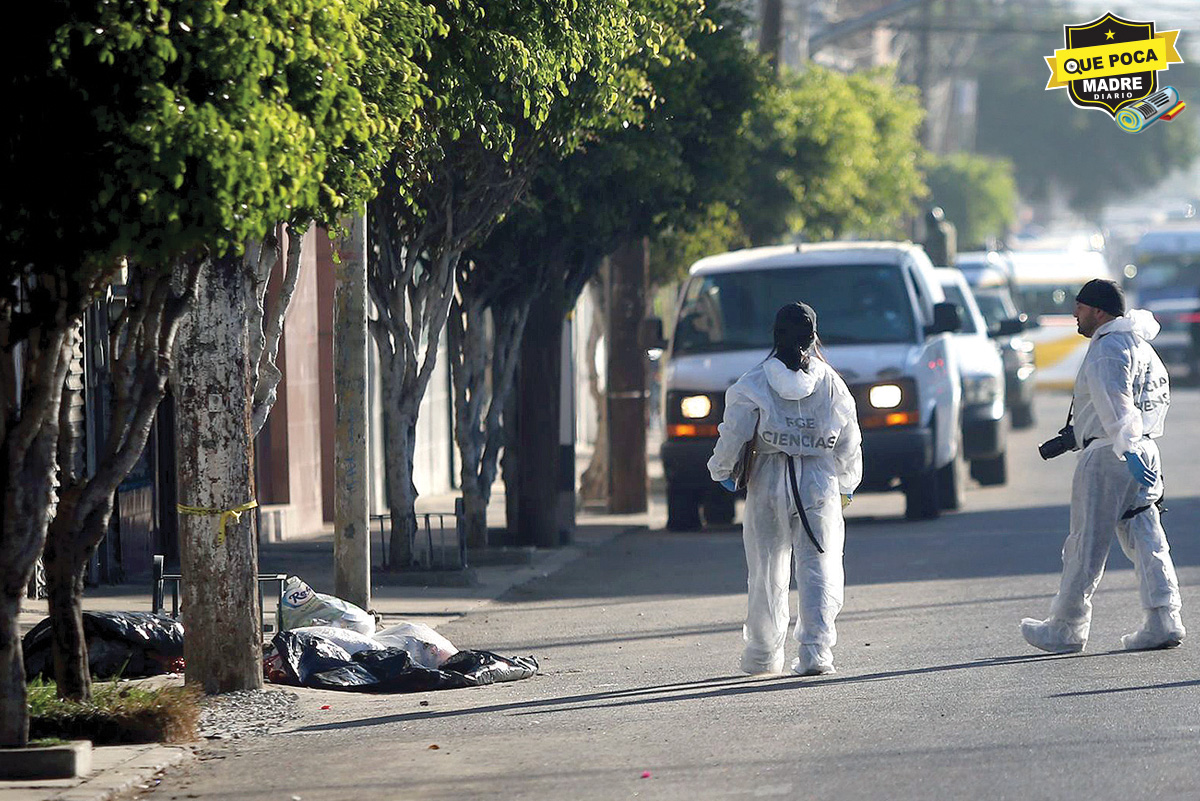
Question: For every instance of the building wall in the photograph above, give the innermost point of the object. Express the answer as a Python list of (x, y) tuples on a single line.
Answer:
[(302, 338)]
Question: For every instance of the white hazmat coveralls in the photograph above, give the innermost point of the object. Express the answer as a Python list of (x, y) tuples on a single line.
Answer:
[(1121, 401), (806, 420)]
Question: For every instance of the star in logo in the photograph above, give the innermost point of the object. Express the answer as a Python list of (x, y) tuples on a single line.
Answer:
[(1108, 34)]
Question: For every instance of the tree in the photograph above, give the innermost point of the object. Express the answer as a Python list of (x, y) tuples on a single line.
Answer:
[(186, 151), (685, 151), (1052, 143), (511, 82), (834, 154), (978, 194)]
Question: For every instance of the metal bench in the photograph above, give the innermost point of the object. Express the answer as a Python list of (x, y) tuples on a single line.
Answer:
[(162, 579)]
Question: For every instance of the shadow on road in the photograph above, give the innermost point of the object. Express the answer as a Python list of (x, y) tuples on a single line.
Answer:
[(709, 688)]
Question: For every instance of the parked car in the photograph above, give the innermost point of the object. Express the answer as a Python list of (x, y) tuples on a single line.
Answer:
[(984, 413), (1178, 344), (1006, 326), (883, 325)]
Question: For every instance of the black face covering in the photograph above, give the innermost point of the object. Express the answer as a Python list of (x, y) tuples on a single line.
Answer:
[(1103, 295)]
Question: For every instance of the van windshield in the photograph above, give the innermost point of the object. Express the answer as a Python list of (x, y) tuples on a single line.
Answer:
[(855, 304)]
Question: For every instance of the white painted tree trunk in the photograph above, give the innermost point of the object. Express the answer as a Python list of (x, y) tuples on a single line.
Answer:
[(593, 484), (481, 391), (214, 393)]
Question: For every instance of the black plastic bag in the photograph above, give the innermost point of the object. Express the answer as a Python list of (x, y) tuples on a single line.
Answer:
[(312, 661), (125, 644)]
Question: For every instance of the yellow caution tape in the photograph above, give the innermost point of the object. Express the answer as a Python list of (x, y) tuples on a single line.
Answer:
[(235, 513)]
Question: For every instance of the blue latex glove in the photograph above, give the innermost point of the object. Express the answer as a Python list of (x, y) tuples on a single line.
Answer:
[(1138, 469), (729, 485)]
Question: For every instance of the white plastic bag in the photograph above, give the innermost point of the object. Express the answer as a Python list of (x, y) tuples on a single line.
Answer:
[(303, 606), (350, 640), (426, 647)]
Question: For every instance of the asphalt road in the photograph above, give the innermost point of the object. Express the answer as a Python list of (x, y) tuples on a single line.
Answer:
[(936, 695)]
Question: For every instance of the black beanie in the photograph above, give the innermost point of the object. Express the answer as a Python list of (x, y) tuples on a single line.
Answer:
[(1103, 295)]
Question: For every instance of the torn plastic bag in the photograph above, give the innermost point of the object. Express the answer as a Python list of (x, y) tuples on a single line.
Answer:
[(125, 644), (310, 661), (304, 606), (426, 647)]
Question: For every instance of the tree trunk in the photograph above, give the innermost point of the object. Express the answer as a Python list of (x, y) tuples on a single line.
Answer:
[(627, 486), (480, 396), (14, 710), (28, 446), (593, 485), (400, 432), (64, 584), (538, 423), (142, 340), (214, 394)]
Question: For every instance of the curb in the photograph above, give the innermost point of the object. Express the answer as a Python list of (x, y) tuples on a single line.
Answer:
[(137, 771)]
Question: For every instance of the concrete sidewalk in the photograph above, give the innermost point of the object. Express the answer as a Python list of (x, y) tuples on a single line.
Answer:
[(118, 770)]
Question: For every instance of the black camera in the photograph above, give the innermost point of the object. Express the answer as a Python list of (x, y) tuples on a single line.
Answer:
[(1057, 446)]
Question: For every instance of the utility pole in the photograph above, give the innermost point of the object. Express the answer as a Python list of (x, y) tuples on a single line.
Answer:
[(923, 68), (352, 544), (626, 385), (770, 40)]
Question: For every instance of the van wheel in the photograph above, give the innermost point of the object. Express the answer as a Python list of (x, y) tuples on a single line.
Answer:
[(952, 482), (718, 508), (1022, 416), (921, 496), (991, 472), (683, 509)]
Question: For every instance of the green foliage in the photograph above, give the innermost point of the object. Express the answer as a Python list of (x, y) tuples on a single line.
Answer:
[(835, 154), (685, 150), (513, 81), (119, 712), (717, 228), (978, 194), (1052, 143), (191, 123)]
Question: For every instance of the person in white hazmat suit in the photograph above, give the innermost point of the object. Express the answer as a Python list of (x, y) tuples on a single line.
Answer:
[(804, 425), (1120, 407)]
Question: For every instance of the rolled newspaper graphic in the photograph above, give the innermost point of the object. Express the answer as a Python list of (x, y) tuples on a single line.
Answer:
[(1136, 117)]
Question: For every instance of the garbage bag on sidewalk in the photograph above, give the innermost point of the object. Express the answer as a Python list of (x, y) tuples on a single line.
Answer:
[(349, 640), (309, 660), (125, 644), (304, 606), (426, 647)]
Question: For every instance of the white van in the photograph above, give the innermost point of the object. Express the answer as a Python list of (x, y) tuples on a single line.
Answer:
[(883, 325)]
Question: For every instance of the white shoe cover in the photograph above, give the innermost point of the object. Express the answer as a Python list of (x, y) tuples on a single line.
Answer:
[(755, 668), (1162, 629), (814, 660), (1050, 635)]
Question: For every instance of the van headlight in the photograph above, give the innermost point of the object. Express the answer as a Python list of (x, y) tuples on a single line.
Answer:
[(695, 407), (885, 396), (980, 388), (887, 404)]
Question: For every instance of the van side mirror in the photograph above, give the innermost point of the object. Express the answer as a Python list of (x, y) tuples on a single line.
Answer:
[(946, 319), (1010, 327), (652, 334)]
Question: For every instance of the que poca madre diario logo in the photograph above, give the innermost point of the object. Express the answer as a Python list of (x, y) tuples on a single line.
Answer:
[(1112, 64)]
